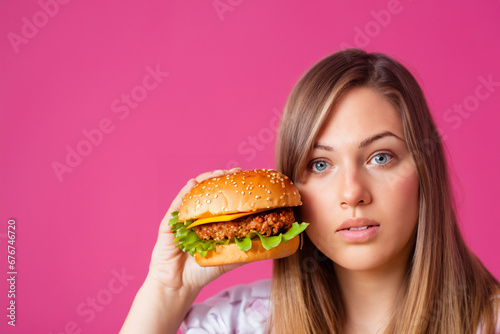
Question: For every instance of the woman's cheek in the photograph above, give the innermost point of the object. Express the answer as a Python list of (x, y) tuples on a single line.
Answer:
[(310, 212), (320, 230), (404, 178), (404, 193)]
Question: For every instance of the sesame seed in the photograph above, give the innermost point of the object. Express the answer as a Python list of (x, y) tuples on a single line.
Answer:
[(208, 201)]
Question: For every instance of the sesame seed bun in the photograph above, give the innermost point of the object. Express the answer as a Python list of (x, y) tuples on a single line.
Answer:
[(246, 191), (242, 192)]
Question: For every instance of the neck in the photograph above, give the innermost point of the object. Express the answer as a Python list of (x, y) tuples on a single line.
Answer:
[(370, 295)]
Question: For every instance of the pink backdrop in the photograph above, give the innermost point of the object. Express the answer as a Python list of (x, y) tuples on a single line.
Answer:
[(108, 108)]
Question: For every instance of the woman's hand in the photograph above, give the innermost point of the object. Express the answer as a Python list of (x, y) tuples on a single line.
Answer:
[(174, 279), (173, 268)]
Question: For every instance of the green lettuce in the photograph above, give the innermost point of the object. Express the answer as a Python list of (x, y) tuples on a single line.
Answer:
[(188, 241)]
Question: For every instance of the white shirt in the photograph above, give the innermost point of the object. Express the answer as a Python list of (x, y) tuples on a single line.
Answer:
[(242, 309)]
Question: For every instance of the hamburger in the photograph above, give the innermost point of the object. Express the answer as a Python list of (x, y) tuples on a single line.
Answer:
[(240, 217)]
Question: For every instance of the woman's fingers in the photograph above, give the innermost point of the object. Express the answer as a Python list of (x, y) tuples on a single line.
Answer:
[(176, 203), (215, 173), (205, 176)]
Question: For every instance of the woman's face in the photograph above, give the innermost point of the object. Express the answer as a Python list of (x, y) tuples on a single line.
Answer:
[(360, 188)]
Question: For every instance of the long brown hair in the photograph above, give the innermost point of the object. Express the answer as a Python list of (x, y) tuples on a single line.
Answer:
[(446, 289)]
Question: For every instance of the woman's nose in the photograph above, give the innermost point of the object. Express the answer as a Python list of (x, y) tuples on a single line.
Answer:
[(353, 189)]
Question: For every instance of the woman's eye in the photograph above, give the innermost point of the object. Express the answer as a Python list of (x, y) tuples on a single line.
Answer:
[(381, 159), (319, 166)]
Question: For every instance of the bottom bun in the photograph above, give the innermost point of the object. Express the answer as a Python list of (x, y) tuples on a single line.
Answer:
[(226, 254)]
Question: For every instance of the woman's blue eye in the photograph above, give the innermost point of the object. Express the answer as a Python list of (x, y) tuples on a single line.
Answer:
[(381, 159), (320, 166)]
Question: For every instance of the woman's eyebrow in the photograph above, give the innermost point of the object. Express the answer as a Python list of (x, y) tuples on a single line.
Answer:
[(323, 147), (373, 138), (364, 143)]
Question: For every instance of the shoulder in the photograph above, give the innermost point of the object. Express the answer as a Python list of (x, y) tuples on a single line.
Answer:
[(238, 309)]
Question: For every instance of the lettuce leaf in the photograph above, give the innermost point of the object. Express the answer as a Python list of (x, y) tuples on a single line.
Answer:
[(244, 244), (188, 241)]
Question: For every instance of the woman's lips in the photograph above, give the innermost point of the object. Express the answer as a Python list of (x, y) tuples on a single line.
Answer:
[(358, 230)]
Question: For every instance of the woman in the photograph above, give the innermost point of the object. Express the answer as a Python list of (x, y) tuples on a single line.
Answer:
[(383, 252)]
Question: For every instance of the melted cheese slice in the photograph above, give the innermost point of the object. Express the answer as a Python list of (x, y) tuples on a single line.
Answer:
[(224, 218)]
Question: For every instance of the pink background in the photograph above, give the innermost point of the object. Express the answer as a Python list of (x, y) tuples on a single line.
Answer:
[(230, 64)]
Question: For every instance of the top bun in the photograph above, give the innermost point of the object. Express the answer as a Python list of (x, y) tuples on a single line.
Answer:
[(246, 191)]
